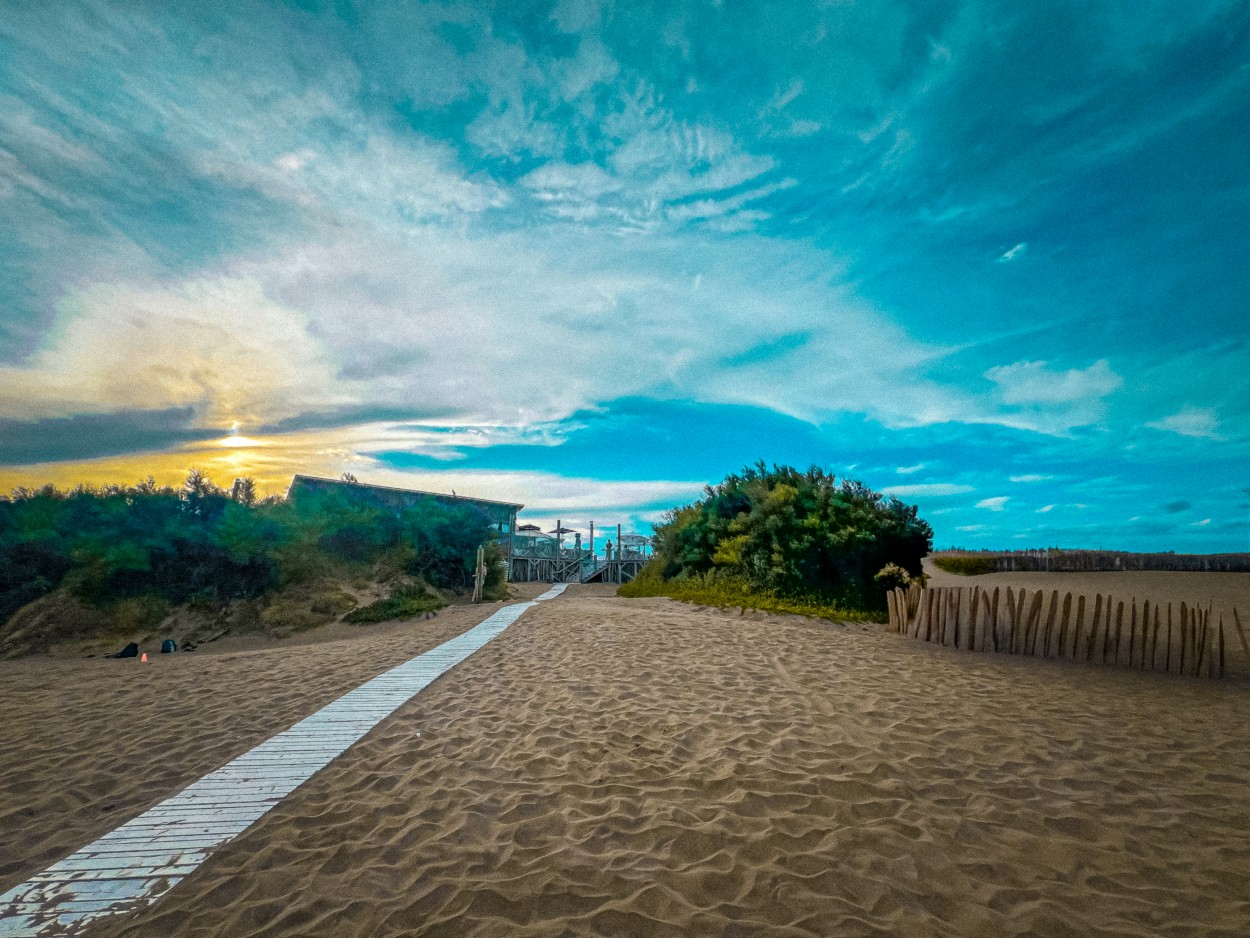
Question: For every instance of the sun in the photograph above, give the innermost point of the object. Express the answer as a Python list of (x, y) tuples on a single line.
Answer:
[(234, 441)]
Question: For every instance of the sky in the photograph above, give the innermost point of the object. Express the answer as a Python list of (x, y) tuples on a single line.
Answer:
[(592, 256)]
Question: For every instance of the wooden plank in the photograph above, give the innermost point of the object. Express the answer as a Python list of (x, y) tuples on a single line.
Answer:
[(1241, 634), (1033, 623), (1009, 623), (1018, 638), (1047, 633), (1119, 631), (132, 866), (1093, 628), (1201, 656), (1061, 642), (1077, 644), (956, 631), (1148, 648), (994, 622), (976, 640), (1183, 652), (1133, 630)]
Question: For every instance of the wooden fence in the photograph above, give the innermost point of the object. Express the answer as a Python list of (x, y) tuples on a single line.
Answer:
[(1018, 622)]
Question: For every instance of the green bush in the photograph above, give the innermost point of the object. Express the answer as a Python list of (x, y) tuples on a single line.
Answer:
[(405, 602), (798, 537), (967, 566)]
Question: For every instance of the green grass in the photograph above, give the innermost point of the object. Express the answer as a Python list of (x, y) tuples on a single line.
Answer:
[(967, 566), (406, 602), (727, 592)]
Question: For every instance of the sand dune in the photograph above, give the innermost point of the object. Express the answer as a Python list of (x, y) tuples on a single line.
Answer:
[(641, 767)]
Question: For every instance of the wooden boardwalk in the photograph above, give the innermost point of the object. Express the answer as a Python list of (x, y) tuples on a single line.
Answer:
[(138, 862)]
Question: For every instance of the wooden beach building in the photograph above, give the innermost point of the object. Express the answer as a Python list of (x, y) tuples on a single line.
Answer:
[(501, 515), (532, 555)]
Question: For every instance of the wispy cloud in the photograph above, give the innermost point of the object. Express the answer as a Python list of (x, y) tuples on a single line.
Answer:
[(997, 503), (933, 489), (1199, 422), (497, 223)]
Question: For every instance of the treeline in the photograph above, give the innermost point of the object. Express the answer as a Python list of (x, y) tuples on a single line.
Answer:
[(200, 543), (1057, 560), (785, 534)]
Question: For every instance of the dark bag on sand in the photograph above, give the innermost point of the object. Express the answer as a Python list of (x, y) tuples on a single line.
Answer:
[(168, 645), (130, 651)]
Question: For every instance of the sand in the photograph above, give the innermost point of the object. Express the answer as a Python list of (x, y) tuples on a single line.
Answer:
[(643, 767), (1221, 591), (87, 744)]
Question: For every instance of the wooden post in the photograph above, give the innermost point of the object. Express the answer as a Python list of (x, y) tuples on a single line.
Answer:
[(1119, 630), (1009, 629), (1245, 645), (1200, 640), (1050, 623), (1132, 632), (1180, 669), (1093, 627), (1167, 663), (1147, 660), (1109, 638), (972, 627), (1154, 639), (1077, 644), (994, 622), (1061, 647), (958, 600), (1034, 624), (1221, 644), (1020, 621), (478, 578)]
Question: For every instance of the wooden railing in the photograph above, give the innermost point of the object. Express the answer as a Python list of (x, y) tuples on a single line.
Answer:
[(1018, 622)]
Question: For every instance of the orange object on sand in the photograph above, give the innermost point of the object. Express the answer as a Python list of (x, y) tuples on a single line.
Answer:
[(145, 657)]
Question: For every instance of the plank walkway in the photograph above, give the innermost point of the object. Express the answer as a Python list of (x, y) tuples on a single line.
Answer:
[(138, 862)]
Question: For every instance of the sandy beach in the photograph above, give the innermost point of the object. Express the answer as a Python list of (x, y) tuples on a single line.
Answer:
[(643, 767)]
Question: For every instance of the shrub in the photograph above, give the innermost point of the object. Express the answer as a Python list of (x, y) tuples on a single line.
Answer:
[(796, 535), (405, 602), (967, 566), (199, 544), (892, 576)]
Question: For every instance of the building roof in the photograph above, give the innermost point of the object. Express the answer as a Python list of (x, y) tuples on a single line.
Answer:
[(318, 482)]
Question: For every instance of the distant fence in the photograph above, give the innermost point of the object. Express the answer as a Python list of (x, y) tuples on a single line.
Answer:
[(1076, 561), (1018, 622)]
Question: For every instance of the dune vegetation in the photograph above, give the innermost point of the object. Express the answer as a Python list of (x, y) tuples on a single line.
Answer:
[(787, 541), (122, 560)]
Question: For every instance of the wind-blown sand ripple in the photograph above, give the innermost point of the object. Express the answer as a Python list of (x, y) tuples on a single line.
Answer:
[(639, 767), (85, 745)]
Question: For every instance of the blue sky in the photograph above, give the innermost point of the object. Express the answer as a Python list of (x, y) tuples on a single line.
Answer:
[(592, 256)]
